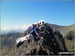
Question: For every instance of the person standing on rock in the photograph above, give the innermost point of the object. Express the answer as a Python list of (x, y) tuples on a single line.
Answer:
[(35, 32)]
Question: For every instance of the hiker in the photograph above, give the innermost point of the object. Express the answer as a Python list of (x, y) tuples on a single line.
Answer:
[(35, 32)]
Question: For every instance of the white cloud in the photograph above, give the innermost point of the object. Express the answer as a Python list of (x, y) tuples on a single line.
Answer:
[(10, 28), (18, 27), (24, 27)]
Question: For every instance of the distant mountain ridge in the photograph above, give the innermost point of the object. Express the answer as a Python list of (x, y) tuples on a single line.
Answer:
[(62, 29)]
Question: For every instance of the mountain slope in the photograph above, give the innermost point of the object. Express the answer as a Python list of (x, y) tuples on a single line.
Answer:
[(8, 40), (51, 45), (63, 29)]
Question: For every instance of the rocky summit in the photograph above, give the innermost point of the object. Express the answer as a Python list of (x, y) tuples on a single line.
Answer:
[(52, 44)]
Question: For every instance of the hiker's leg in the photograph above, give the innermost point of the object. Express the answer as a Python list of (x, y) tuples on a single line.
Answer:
[(34, 38), (37, 38)]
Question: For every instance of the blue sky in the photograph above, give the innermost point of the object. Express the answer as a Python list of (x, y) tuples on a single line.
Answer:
[(15, 14)]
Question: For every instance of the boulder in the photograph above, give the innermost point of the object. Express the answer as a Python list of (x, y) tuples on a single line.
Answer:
[(51, 45)]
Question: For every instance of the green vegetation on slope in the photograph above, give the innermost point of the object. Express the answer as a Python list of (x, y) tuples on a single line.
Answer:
[(69, 40)]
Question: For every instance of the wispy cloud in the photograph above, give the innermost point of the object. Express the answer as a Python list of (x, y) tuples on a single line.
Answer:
[(10, 28), (18, 27), (24, 27)]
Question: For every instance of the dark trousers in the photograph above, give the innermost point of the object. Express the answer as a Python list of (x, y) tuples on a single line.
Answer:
[(36, 38)]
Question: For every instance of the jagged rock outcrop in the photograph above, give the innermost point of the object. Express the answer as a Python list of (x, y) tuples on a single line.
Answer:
[(51, 45), (60, 38)]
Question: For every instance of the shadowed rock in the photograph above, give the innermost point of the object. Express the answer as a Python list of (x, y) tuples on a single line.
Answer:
[(51, 45)]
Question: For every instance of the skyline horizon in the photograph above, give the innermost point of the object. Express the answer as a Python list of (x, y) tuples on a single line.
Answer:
[(15, 14), (25, 27)]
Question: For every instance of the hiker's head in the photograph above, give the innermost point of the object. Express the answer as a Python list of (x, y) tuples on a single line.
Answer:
[(37, 25)]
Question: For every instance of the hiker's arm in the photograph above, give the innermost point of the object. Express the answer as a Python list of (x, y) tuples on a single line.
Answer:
[(37, 34)]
